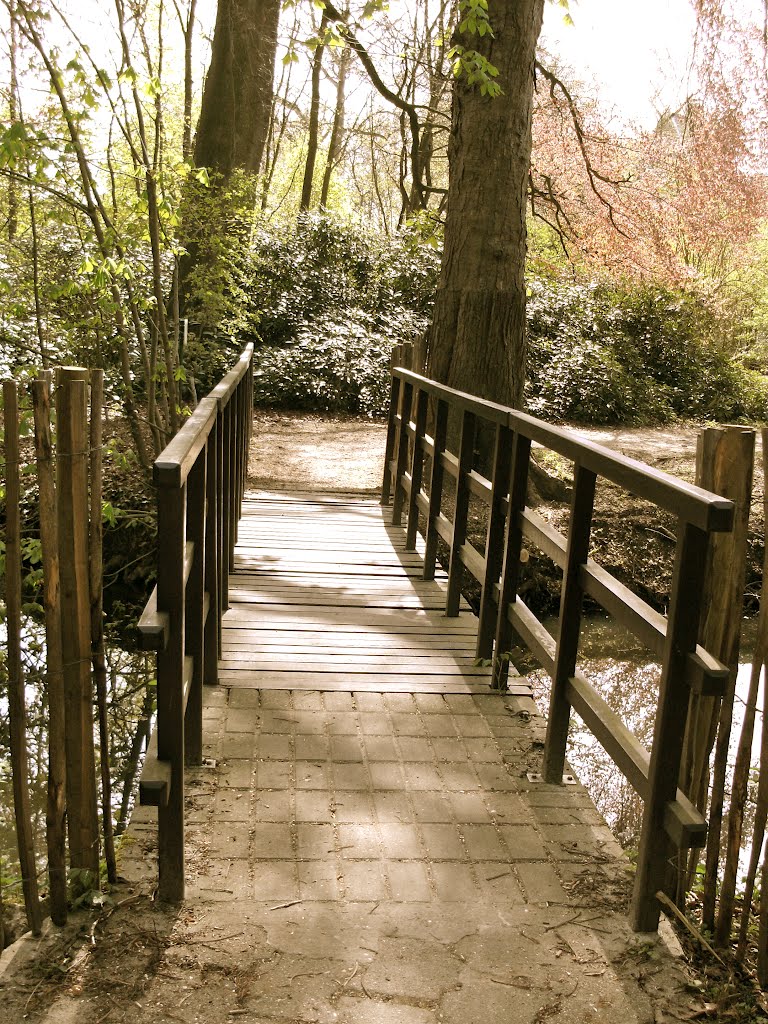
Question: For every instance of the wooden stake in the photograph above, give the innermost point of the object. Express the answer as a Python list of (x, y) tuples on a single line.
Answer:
[(16, 706), (57, 806), (96, 588), (72, 489), (725, 459)]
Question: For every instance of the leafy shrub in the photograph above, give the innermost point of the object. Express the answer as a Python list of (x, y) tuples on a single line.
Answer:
[(336, 366), (643, 355)]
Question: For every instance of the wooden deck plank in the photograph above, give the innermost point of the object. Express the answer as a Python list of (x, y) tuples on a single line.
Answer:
[(324, 596)]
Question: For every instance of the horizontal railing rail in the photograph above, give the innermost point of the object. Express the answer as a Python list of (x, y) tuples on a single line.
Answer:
[(200, 480), (419, 468)]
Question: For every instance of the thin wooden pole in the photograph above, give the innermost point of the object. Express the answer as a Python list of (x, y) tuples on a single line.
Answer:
[(16, 707), (72, 491), (57, 770), (96, 587)]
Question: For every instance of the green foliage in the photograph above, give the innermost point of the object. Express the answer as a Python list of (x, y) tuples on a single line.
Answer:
[(331, 301), (599, 354)]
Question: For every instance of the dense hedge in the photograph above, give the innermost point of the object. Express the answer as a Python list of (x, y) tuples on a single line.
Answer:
[(330, 302)]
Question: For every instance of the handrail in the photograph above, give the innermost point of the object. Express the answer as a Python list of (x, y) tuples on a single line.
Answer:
[(200, 480), (670, 820)]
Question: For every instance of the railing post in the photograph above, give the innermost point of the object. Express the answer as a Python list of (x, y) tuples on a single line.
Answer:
[(389, 450), (653, 868), (212, 639), (417, 470), (226, 501), (571, 596), (494, 543), (402, 452), (171, 515), (466, 457), (435, 489), (513, 544), (194, 631)]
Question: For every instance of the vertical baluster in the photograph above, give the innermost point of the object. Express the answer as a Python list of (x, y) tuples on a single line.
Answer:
[(571, 596), (212, 639), (194, 624), (226, 500), (402, 452), (664, 770), (466, 455), (417, 470), (171, 514), (389, 449), (494, 542), (435, 489), (513, 543)]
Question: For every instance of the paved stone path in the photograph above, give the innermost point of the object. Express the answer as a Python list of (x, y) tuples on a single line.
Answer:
[(383, 859)]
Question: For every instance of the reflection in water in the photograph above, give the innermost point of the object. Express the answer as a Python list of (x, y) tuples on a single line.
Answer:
[(130, 700), (620, 669)]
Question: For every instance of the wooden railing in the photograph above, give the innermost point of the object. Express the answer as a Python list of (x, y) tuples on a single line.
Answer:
[(670, 821), (200, 480)]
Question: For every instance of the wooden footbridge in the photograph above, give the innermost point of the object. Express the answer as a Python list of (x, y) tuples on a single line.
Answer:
[(305, 592)]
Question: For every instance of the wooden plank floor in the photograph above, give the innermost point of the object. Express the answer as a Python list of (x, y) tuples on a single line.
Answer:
[(324, 596)]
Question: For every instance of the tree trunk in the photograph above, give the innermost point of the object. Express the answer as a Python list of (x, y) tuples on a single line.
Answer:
[(337, 131), (237, 99), (477, 338), (314, 120)]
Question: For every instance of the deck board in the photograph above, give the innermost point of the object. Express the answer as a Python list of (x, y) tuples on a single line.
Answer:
[(324, 596)]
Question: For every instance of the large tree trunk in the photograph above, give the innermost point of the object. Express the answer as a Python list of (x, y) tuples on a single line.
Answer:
[(477, 337), (237, 99)]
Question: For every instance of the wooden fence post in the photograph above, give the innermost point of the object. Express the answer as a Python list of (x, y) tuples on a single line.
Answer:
[(72, 490), (16, 705), (57, 772)]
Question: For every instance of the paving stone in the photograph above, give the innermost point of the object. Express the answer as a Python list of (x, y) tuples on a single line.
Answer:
[(312, 748), (373, 1011), (274, 881), (346, 748), (275, 698), (454, 883), (338, 701), (242, 720), (271, 840), (408, 968), (420, 775), (273, 805), (343, 724), (237, 774), (313, 805), (375, 724), (408, 725), (363, 880), (439, 725), (523, 842), (357, 842), (315, 841), (431, 806), (432, 703), (311, 775), (442, 842), (400, 842), (408, 881), (509, 808), (310, 723), (370, 702), (317, 879), (482, 749), (484, 843), (542, 795), (386, 775), (495, 777), (238, 697), (230, 840), (353, 805), (459, 776), (280, 722), (468, 807), (464, 704), (274, 774), (308, 700), (277, 748), (380, 748), (499, 883), (477, 1002), (540, 882), (230, 805), (350, 776), (472, 725), (392, 807), (400, 702), (414, 748)]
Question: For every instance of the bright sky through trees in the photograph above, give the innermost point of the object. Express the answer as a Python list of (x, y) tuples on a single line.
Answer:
[(637, 54)]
